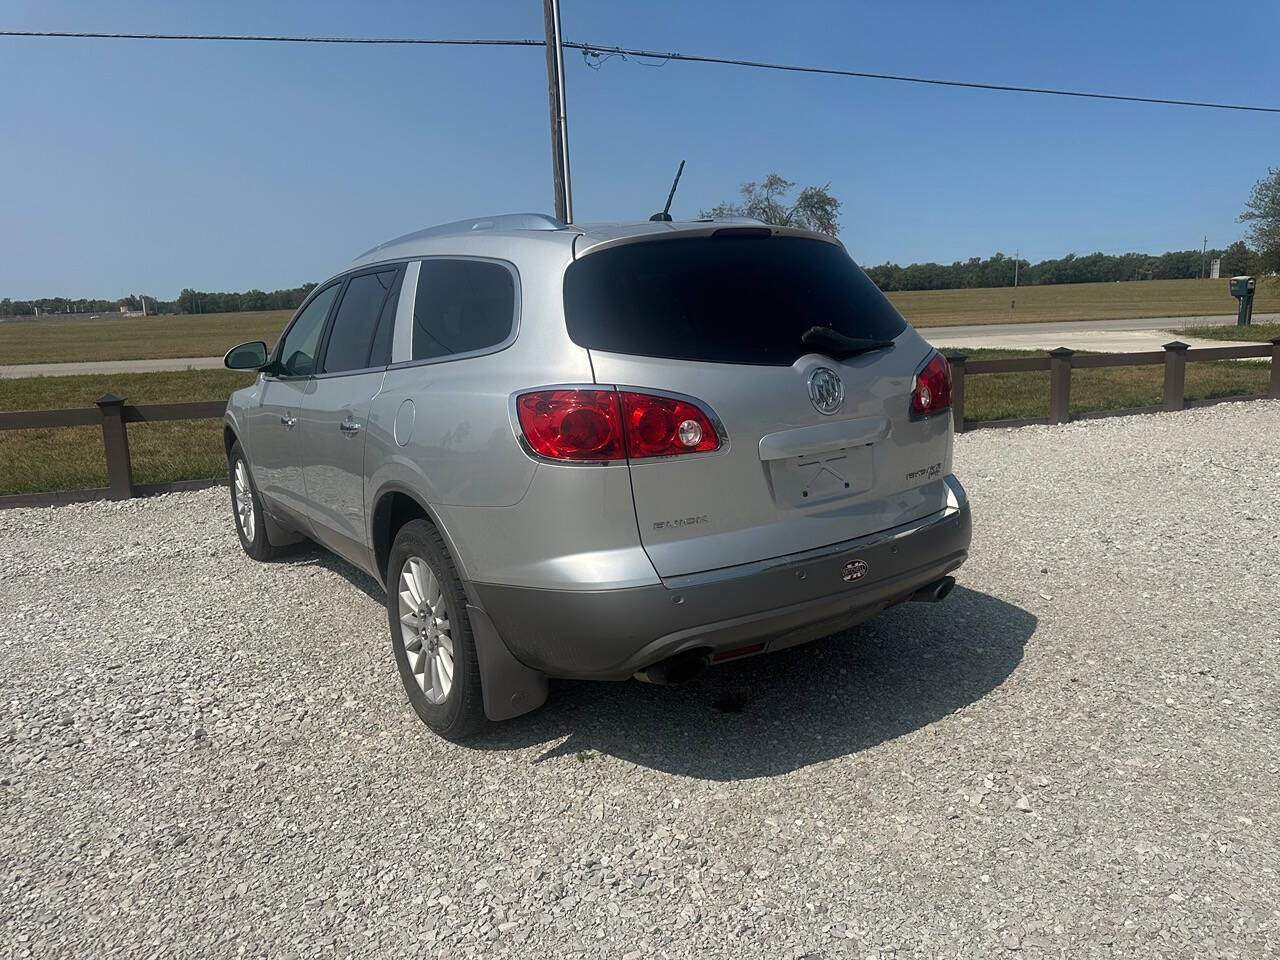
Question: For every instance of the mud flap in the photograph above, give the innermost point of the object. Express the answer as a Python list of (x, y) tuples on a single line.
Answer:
[(509, 687), (278, 535)]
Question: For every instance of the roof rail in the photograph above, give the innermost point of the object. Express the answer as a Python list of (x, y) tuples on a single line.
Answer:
[(504, 221)]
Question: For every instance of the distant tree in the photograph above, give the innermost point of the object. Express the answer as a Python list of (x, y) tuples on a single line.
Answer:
[(1237, 259), (814, 208), (1262, 213)]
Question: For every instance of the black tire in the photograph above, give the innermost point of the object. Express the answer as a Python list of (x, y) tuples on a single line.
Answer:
[(257, 546), (460, 714)]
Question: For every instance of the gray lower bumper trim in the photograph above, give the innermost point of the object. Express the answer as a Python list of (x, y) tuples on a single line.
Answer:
[(609, 634)]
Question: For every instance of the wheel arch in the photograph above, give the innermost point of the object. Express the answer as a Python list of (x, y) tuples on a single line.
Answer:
[(393, 506)]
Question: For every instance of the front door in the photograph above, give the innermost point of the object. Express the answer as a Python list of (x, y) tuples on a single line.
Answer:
[(335, 414), (274, 436)]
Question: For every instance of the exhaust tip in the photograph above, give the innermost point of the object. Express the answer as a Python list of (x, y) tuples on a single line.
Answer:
[(673, 671), (934, 592)]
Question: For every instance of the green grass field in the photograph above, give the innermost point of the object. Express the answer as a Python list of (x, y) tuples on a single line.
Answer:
[(208, 335), (72, 458), (1078, 301), (67, 340)]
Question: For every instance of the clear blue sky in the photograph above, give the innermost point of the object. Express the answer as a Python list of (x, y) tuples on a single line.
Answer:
[(142, 166)]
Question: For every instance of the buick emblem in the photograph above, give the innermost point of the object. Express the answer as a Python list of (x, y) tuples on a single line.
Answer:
[(854, 570), (826, 390)]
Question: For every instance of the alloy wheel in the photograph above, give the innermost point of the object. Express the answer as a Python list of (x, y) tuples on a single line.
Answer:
[(425, 629), (242, 493)]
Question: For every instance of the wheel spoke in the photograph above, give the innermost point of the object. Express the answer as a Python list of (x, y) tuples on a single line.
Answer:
[(409, 578), (446, 664), (437, 684)]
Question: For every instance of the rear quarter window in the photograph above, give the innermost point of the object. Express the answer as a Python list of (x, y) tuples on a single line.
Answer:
[(462, 306), (721, 299)]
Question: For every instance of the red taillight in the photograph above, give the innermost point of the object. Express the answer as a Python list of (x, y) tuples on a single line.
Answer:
[(572, 424), (932, 391), (664, 426), (597, 425)]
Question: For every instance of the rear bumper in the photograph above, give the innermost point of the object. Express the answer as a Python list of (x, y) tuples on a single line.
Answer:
[(610, 634)]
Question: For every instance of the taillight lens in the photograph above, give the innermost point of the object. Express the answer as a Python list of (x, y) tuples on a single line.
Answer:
[(932, 391), (597, 425), (664, 426), (572, 424)]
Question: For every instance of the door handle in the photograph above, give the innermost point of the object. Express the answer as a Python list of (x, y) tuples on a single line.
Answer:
[(288, 421), (349, 426)]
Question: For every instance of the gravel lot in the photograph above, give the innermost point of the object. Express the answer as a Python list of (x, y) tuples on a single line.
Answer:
[(1075, 755)]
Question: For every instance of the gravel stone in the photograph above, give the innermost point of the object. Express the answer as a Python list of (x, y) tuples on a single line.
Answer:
[(241, 773)]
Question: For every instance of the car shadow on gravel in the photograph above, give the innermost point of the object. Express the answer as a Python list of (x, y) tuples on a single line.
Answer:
[(770, 715)]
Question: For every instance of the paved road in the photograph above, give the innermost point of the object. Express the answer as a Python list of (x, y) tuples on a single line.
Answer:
[(1107, 336), (109, 366), (1104, 335)]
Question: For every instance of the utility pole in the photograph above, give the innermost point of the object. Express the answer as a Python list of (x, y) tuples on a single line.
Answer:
[(1015, 268), (559, 123), (1203, 248)]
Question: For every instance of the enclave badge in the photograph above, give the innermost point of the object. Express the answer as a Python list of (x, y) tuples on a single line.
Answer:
[(854, 570)]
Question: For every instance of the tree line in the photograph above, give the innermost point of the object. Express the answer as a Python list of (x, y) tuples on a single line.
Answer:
[(998, 270), (189, 301)]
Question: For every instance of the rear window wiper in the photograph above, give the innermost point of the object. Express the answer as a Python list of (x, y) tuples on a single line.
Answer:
[(838, 346)]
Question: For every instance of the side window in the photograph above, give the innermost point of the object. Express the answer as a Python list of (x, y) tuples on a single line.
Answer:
[(298, 352), (461, 306), (356, 321), (380, 351)]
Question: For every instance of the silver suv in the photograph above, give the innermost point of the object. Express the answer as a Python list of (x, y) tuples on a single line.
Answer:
[(601, 451)]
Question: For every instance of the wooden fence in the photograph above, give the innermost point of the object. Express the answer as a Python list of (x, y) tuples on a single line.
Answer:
[(1062, 361), (113, 413)]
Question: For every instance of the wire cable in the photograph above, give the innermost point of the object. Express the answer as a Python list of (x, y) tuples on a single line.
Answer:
[(602, 52)]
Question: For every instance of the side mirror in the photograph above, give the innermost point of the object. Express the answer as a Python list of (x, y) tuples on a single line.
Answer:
[(246, 356)]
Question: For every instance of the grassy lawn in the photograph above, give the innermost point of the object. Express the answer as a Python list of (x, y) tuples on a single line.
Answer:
[(1078, 301), (1019, 396), (67, 340), (70, 458), (1258, 332)]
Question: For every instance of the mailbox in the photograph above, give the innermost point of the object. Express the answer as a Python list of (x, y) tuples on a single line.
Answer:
[(1241, 286), (1242, 289)]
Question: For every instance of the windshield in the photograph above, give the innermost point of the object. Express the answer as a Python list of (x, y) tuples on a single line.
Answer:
[(722, 299)]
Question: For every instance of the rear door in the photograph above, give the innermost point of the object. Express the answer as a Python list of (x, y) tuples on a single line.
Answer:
[(719, 318), (334, 416)]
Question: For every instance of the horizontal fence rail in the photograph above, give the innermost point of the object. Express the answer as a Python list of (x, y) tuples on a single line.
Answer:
[(1061, 361), (113, 413)]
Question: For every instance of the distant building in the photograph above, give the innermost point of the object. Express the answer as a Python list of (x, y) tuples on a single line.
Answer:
[(1215, 268)]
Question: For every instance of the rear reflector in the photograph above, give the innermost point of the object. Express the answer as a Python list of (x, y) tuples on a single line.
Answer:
[(599, 425), (932, 391)]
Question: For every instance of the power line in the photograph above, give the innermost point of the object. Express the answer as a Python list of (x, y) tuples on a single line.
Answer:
[(605, 51)]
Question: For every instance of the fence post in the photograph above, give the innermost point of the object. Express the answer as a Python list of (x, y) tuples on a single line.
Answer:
[(1175, 375), (1275, 368), (957, 389), (115, 439), (1060, 384)]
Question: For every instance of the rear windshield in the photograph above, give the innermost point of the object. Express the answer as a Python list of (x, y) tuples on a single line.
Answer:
[(722, 299)]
